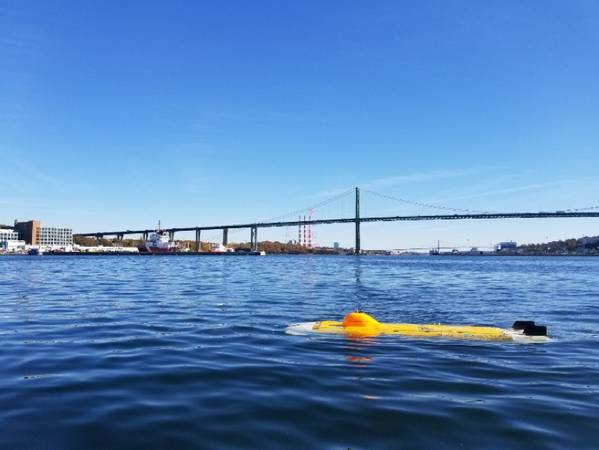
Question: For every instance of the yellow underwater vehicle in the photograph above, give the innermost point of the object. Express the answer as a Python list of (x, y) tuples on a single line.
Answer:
[(360, 325)]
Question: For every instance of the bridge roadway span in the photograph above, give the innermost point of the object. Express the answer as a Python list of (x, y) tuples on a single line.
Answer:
[(256, 225)]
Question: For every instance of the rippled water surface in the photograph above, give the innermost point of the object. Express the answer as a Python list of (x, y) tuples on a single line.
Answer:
[(191, 352)]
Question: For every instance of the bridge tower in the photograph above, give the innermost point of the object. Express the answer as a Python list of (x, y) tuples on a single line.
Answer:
[(357, 247), (225, 236), (305, 234), (198, 246), (254, 238)]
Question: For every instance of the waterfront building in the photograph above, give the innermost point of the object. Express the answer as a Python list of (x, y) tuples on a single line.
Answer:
[(28, 231), (336, 245), (51, 236), (12, 246), (502, 246), (7, 234), (34, 234), (9, 241)]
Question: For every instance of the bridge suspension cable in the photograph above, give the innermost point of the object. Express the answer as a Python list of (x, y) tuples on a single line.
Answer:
[(295, 213), (312, 207), (581, 209), (425, 205), (449, 208)]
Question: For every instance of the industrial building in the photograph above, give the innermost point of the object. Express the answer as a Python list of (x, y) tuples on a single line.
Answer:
[(34, 234), (504, 246), (9, 240), (7, 234), (50, 236)]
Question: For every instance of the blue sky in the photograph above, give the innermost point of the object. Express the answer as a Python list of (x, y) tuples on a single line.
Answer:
[(117, 114)]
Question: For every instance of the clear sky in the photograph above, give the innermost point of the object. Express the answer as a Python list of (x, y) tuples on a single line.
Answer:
[(116, 114)]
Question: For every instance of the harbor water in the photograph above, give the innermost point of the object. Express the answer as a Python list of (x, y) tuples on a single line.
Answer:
[(188, 352)]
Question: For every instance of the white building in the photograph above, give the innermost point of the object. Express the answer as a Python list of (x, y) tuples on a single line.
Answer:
[(7, 234), (54, 237), (9, 241), (13, 246)]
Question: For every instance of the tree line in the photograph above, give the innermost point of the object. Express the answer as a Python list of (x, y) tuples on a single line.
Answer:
[(266, 246)]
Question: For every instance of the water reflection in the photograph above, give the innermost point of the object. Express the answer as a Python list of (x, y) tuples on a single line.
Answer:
[(357, 351), (359, 361)]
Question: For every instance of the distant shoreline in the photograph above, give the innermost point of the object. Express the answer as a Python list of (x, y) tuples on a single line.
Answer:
[(230, 254)]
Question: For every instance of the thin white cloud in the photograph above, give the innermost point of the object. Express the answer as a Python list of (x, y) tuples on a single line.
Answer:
[(516, 189), (19, 204), (27, 173), (324, 194), (420, 177), (396, 180)]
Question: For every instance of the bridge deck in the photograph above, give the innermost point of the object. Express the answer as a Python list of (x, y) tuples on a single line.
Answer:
[(524, 215)]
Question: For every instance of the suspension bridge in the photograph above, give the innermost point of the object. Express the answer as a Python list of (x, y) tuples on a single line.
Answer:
[(357, 219)]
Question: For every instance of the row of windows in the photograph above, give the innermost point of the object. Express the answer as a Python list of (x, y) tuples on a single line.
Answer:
[(55, 230), (54, 233), (49, 241)]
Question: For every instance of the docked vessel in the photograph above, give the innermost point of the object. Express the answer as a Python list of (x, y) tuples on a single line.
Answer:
[(159, 242), (220, 248), (361, 325)]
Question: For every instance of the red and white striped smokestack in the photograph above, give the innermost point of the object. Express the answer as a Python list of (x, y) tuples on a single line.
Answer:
[(310, 230)]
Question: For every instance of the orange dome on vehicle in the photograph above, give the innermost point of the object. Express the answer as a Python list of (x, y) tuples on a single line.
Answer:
[(361, 324), (359, 319)]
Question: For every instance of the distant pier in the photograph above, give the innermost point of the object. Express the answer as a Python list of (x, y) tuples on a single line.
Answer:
[(215, 254)]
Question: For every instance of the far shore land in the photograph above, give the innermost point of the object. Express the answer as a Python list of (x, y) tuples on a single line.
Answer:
[(364, 253), (587, 246)]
